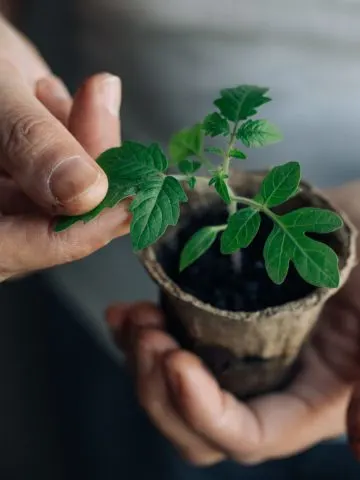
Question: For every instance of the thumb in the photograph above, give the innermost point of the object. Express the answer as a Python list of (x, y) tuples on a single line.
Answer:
[(43, 158)]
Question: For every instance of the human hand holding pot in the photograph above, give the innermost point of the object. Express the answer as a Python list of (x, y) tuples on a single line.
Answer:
[(47, 142), (207, 424)]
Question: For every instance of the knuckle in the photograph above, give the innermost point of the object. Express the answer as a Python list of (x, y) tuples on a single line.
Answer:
[(69, 248), (146, 337), (25, 132)]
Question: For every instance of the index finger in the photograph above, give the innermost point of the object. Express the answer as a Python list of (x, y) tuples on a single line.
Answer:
[(29, 243), (44, 159)]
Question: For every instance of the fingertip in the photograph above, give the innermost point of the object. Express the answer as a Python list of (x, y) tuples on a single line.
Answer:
[(116, 314), (53, 94), (150, 347), (53, 86), (94, 118), (189, 369)]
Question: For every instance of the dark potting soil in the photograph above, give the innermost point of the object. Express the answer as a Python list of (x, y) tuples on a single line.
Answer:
[(228, 282)]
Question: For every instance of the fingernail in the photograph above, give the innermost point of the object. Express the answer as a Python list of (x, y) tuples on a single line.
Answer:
[(110, 90), (74, 177)]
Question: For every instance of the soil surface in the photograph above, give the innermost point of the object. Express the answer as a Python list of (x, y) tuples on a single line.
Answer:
[(229, 282)]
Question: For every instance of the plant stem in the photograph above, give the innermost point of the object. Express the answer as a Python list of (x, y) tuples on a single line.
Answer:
[(260, 207), (226, 166), (227, 157), (185, 178), (220, 228)]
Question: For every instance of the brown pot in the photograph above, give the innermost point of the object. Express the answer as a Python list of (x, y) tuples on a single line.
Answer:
[(249, 352)]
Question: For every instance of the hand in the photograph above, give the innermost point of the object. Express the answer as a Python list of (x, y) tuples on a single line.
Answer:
[(338, 341), (47, 144), (207, 424)]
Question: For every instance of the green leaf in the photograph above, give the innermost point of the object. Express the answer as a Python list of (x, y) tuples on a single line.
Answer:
[(314, 220), (187, 143), (212, 181), (280, 184), (315, 262), (188, 166), (214, 125), (215, 151), (241, 230), (236, 153), (154, 208), (192, 182), (126, 167), (198, 244), (116, 193), (258, 133), (133, 161), (218, 180), (241, 102)]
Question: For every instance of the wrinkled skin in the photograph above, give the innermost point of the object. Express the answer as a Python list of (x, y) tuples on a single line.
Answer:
[(48, 142), (207, 424)]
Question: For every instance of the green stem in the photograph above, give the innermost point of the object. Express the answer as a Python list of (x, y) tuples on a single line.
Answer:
[(232, 208), (185, 178), (227, 157), (220, 228), (262, 208)]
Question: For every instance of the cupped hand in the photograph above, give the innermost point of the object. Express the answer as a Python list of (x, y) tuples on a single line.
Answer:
[(207, 424), (48, 142)]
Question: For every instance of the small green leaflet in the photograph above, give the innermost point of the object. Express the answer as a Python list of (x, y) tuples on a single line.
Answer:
[(215, 151), (126, 167), (241, 230), (132, 161), (192, 182), (236, 153), (258, 133), (187, 143), (188, 166), (241, 102), (280, 184), (198, 244), (214, 125), (218, 180), (315, 262), (154, 208)]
